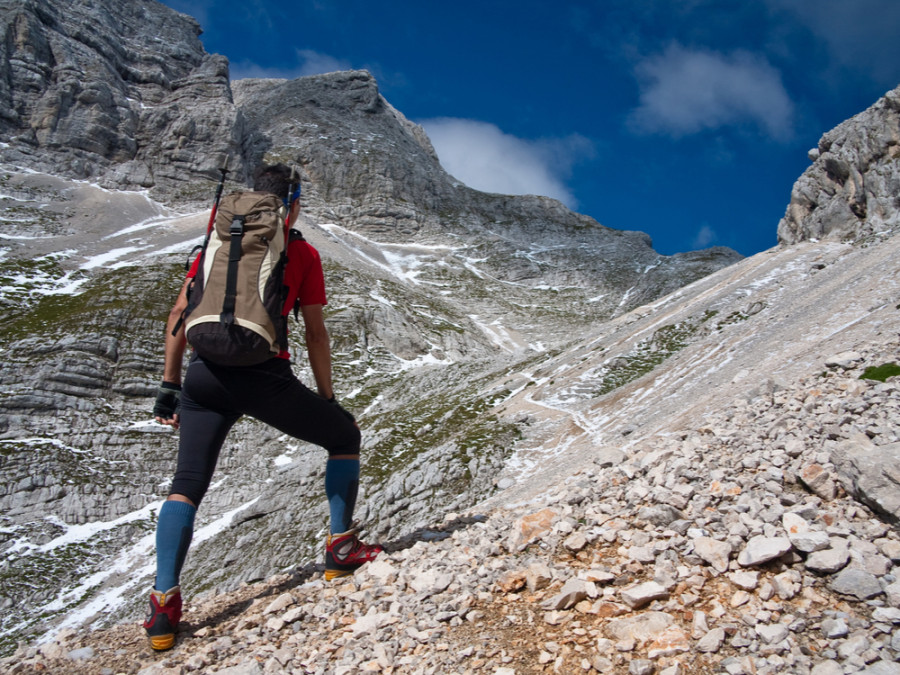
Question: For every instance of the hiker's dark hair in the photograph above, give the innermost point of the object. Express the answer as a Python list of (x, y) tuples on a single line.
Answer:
[(274, 178)]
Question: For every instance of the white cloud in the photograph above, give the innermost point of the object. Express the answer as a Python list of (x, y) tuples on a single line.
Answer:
[(485, 158), (686, 91), (705, 236), (309, 62)]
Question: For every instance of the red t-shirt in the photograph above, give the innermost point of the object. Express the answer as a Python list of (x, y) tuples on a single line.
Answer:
[(303, 277)]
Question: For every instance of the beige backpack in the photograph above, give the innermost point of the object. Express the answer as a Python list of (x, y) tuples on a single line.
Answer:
[(234, 314)]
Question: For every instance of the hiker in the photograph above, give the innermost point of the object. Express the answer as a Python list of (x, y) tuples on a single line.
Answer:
[(215, 396)]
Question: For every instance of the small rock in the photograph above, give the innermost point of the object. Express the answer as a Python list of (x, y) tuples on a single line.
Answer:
[(740, 598), (818, 481), (643, 627), (853, 646), (530, 528), (575, 542), (716, 553), (828, 561), (835, 628), (251, 667), (886, 614), (786, 584), (668, 643), (572, 592), (843, 360), (761, 549), (83, 654), (746, 580), (712, 641), (661, 515), (802, 538), (538, 576), (772, 633), (893, 594), (283, 601), (512, 581), (599, 576), (827, 668), (609, 456), (642, 594), (890, 548), (641, 667), (381, 570), (858, 583)]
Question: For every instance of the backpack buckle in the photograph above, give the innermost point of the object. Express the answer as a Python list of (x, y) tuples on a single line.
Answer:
[(237, 226)]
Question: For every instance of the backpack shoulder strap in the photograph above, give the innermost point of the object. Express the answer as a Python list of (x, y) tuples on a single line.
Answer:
[(234, 257)]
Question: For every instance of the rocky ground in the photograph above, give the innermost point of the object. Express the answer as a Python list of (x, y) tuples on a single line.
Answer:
[(739, 545)]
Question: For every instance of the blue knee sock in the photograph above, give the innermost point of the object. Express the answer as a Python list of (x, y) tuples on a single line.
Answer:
[(341, 486), (174, 530)]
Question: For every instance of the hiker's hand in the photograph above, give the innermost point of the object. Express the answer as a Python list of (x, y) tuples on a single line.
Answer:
[(168, 403), (346, 413)]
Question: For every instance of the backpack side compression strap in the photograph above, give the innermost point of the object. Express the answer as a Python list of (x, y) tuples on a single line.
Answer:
[(234, 257)]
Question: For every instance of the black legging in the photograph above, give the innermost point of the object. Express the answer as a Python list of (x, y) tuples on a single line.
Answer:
[(215, 397)]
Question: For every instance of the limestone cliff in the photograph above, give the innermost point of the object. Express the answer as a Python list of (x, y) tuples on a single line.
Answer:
[(850, 191)]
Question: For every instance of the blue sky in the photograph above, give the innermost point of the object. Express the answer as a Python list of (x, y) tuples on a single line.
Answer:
[(689, 120)]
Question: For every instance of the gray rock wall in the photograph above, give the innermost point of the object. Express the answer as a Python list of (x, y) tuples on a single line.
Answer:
[(850, 191), (122, 93)]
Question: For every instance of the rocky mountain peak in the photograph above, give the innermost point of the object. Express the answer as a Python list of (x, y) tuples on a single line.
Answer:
[(848, 194), (111, 91)]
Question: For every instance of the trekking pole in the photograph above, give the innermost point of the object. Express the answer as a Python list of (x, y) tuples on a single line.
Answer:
[(223, 170), (294, 194), (215, 207), (191, 260)]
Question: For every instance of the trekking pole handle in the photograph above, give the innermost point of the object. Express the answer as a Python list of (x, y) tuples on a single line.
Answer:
[(223, 170)]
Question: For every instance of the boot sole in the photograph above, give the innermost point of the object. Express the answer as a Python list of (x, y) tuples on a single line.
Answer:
[(331, 575), (160, 643)]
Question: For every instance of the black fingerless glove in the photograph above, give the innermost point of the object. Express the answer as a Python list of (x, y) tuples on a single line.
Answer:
[(168, 400), (346, 413)]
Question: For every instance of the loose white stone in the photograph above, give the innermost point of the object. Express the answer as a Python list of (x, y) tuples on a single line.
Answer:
[(761, 549), (772, 633), (712, 641), (640, 595), (716, 553), (828, 561), (745, 580)]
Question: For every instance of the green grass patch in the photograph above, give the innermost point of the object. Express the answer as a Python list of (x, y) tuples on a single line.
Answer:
[(650, 353), (28, 310), (880, 373)]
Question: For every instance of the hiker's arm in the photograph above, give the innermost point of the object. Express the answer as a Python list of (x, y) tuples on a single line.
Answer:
[(175, 344), (318, 347), (168, 395)]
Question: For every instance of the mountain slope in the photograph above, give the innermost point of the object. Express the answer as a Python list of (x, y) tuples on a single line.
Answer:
[(701, 517)]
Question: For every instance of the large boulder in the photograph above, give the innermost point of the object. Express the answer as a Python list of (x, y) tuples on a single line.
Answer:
[(871, 474)]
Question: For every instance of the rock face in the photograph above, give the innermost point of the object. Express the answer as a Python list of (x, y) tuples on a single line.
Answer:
[(848, 192), (117, 92)]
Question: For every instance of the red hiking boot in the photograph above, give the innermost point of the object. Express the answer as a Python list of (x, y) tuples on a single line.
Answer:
[(162, 620), (345, 553)]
